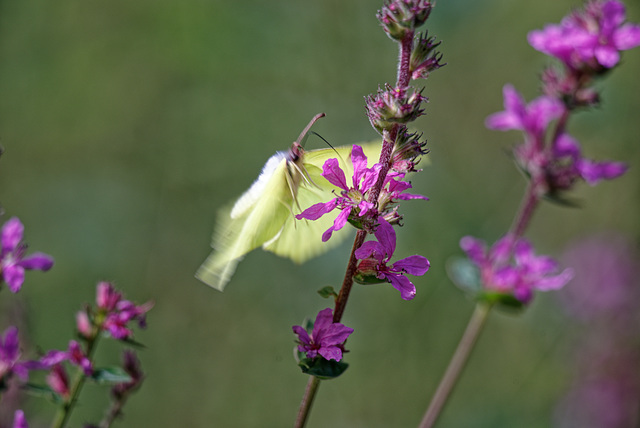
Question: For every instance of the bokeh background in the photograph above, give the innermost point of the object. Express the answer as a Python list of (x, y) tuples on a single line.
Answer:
[(127, 125)]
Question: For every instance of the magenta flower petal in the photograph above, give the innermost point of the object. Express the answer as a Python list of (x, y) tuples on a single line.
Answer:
[(371, 249), (333, 173), (19, 420), (475, 248), (327, 337), (386, 235), (555, 282), (402, 284), (13, 275), (359, 161), (315, 211), (37, 261), (338, 224), (9, 348), (627, 37), (593, 172), (12, 232), (413, 265)]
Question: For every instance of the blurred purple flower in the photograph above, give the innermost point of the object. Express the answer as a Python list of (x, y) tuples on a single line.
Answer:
[(589, 39), (118, 313), (376, 254), (527, 273), (131, 366), (74, 354), (9, 355), (12, 260), (58, 380), (326, 339), (532, 118)]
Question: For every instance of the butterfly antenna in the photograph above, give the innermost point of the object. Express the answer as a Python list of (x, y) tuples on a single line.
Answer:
[(322, 138), (305, 131)]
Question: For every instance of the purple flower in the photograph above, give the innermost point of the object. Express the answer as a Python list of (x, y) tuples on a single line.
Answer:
[(132, 368), (74, 354), (9, 355), (117, 312), (12, 260), (352, 200), (528, 272), (19, 421), (58, 380), (326, 339), (532, 118), (376, 254), (589, 39)]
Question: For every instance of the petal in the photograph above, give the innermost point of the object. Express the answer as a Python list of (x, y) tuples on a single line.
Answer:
[(315, 211), (9, 351), (607, 56), (593, 172), (12, 232), (414, 265), (330, 353), (334, 174), (370, 178), (19, 421), (566, 146), (554, 282), (386, 236), (541, 111), (402, 284), (503, 121), (359, 161), (54, 357), (323, 321), (14, 277), (475, 248), (409, 196), (338, 224), (627, 37), (302, 334), (370, 248), (336, 334), (37, 261), (501, 251)]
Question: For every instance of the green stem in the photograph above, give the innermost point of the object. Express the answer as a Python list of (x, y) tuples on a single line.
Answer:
[(456, 364), (64, 412), (307, 401)]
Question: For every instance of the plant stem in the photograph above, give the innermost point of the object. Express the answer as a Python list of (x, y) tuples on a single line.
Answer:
[(307, 401), (456, 364), (64, 412)]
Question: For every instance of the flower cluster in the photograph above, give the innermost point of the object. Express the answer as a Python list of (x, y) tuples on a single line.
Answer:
[(374, 256), (13, 262), (590, 39), (551, 169), (327, 338), (112, 315), (518, 278), (352, 201)]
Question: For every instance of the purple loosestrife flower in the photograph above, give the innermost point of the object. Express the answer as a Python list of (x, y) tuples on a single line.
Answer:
[(352, 201), (532, 118), (116, 313), (327, 338), (375, 255), (74, 354), (12, 260), (399, 18), (19, 421), (589, 39), (527, 273), (9, 355)]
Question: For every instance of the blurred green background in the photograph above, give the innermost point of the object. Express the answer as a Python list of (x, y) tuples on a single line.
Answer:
[(127, 125)]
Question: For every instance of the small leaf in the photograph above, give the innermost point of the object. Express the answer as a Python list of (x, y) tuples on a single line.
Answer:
[(110, 375), (323, 369), (41, 391), (504, 301), (465, 275), (327, 292)]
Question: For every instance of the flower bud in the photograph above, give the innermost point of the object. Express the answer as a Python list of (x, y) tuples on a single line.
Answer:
[(393, 106), (83, 324), (367, 272), (407, 151), (400, 18), (423, 57)]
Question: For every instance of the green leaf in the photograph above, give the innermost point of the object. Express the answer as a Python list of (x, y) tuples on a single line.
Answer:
[(465, 275), (323, 369), (110, 375), (41, 391), (327, 292), (503, 300)]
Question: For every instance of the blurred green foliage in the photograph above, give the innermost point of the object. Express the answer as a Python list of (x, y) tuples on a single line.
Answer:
[(127, 125)]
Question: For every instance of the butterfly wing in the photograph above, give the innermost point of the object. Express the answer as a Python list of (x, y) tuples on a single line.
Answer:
[(256, 218), (301, 240)]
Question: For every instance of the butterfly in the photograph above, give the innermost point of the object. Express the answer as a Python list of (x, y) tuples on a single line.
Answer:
[(290, 182)]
